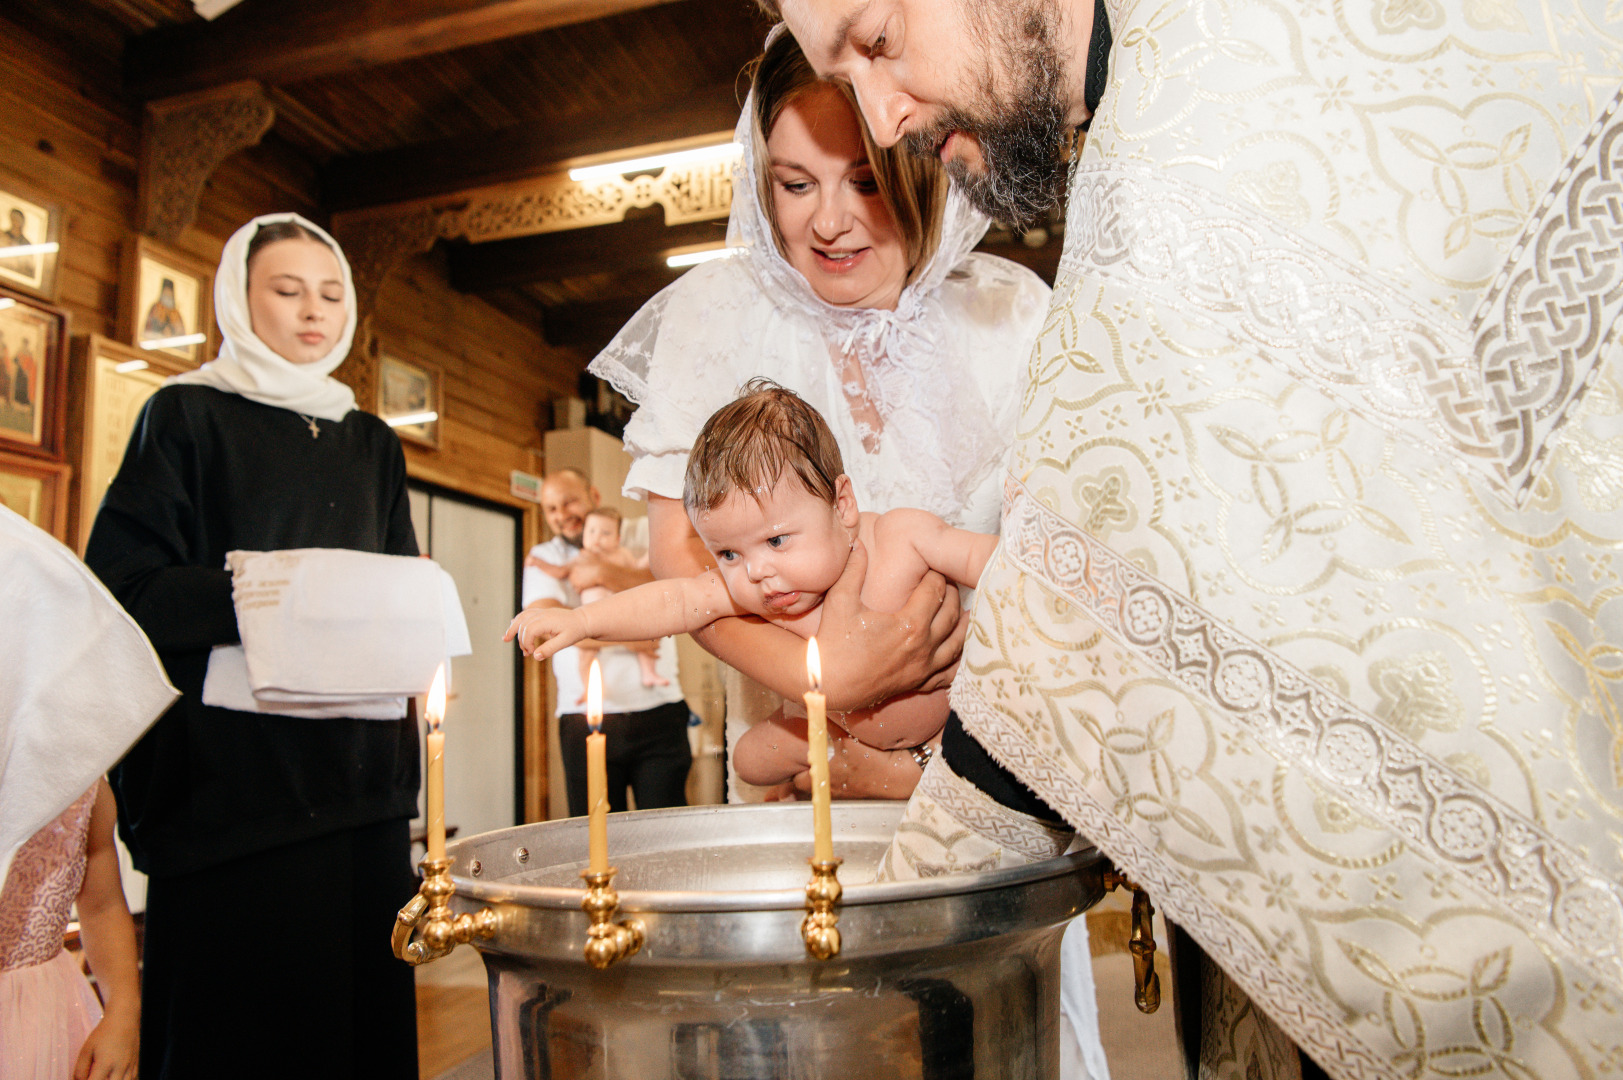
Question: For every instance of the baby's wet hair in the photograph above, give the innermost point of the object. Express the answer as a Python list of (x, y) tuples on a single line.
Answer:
[(608, 512), (765, 433)]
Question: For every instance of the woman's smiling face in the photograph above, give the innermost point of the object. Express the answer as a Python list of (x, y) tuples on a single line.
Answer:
[(835, 227)]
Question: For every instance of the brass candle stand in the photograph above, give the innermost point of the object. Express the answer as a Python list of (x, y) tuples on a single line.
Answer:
[(823, 893), (1146, 982), (431, 909), (608, 941)]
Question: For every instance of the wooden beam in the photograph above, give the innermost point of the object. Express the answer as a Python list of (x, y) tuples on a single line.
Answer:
[(281, 41), (450, 165), (631, 245), (588, 325)]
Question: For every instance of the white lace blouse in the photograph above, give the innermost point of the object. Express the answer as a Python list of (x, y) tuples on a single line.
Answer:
[(944, 371)]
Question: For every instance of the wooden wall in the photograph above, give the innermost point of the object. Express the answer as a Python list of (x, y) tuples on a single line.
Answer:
[(67, 131)]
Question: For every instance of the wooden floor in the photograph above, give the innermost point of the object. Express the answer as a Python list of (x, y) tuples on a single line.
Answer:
[(453, 1013)]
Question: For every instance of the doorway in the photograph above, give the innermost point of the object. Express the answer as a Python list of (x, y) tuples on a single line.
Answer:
[(479, 544)]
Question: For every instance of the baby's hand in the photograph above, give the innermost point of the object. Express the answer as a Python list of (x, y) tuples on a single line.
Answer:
[(543, 631)]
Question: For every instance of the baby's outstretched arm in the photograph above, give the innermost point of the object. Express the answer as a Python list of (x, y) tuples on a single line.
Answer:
[(657, 609)]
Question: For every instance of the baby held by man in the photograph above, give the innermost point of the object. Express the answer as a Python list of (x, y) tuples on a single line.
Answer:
[(767, 493)]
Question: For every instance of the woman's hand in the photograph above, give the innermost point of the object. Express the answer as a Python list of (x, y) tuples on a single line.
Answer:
[(112, 1049), (920, 643)]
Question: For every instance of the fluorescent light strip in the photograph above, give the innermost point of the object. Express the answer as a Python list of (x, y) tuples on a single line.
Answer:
[(719, 152), (694, 258), (175, 342), (412, 418), (6, 301), (18, 250), (130, 365)]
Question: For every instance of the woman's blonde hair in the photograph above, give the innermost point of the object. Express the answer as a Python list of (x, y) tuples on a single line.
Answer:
[(913, 189)]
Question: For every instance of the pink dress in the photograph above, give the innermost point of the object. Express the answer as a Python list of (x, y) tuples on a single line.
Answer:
[(46, 1005)]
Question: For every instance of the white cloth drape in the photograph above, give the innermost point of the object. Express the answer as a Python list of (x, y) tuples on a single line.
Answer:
[(80, 683)]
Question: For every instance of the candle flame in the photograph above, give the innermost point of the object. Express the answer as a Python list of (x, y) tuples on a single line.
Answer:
[(594, 699), (436, 700), (814, 665)]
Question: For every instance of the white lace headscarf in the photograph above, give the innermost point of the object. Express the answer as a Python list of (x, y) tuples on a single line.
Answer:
[(943, 370), (246, 365)]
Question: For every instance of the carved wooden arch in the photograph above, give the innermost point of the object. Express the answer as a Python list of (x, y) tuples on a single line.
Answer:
[(377, 239)]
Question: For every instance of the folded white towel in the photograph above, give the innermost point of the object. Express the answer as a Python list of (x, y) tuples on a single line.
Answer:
[(226, 686), (331, 632)]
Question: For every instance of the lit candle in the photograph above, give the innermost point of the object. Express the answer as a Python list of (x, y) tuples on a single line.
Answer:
[(817, 748), (434, 811), (597, 775)]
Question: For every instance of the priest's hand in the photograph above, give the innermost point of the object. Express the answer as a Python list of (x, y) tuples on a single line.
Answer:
[(917, 646)]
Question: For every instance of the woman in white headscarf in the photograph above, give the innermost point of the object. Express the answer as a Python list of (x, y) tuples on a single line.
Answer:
[(853, 285), (239, 817)]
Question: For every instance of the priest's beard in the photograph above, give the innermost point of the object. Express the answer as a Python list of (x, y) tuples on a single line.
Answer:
[(1022, 131)]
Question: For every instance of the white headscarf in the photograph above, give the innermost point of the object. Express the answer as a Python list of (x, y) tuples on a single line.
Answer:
[(943, 370), (246, 365)]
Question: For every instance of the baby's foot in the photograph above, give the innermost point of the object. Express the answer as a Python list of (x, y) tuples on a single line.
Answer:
[(654, 678)]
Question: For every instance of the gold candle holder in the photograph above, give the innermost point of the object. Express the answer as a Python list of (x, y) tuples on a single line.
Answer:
[(823, 893), (608, 941), (1146, 982), (431, 909)]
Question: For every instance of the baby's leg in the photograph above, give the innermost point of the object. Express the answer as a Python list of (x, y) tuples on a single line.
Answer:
[(772, 751), (586, 658), (650, 670)]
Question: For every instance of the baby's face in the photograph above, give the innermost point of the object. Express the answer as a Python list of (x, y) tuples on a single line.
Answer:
[(780, 555), (601, 535)]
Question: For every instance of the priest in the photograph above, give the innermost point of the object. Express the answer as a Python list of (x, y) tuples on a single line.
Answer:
[(1309, 603)]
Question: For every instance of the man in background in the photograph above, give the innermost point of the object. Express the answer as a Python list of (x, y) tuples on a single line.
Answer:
[(646, 725)]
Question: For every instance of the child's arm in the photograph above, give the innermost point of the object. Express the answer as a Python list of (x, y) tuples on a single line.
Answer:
[(110, 1051), (959, 554), (556, 571), (657, 609)]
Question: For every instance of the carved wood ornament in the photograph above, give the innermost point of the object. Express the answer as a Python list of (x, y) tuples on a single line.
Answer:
[(376, 239), (183, 140)]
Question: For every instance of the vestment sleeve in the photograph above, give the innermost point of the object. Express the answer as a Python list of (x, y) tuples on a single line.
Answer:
[(144, 544)]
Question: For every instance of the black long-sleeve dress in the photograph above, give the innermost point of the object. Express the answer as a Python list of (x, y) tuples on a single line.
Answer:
[(218, 805)]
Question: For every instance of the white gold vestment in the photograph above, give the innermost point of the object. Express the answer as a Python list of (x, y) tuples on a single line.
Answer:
[(1309, 603)]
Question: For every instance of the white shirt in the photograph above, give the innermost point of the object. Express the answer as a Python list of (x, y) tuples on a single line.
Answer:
[(623, 690)]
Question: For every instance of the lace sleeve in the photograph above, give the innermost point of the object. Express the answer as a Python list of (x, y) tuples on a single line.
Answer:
[(681, 357)]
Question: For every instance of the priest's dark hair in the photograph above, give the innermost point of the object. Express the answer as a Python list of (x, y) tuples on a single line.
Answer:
[(271, 232), (754, 442)]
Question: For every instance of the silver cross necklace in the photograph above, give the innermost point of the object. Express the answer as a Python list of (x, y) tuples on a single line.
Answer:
[(315, 432)]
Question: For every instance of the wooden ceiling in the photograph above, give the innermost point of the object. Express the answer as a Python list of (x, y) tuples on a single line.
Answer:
[(392, 100)]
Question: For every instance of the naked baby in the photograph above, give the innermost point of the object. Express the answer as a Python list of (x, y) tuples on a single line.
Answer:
[(767, 493)]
